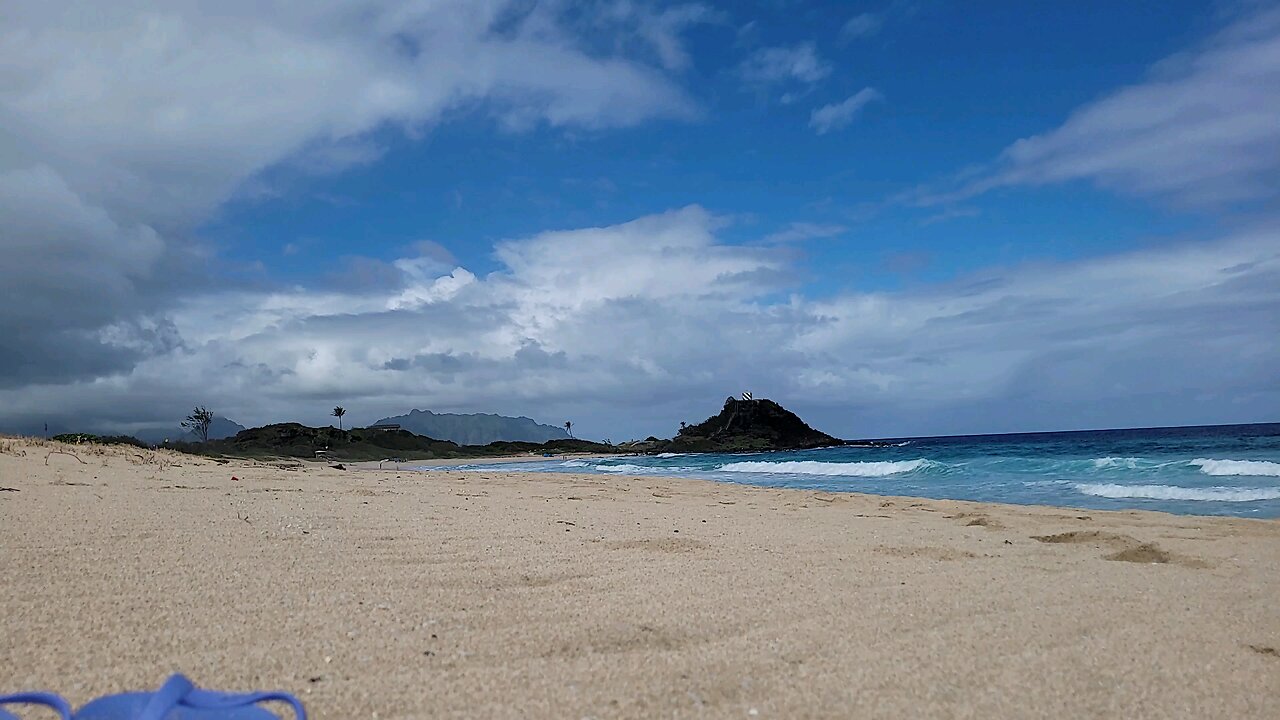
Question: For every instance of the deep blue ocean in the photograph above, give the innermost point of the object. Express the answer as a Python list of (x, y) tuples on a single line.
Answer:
[(1214, 470)]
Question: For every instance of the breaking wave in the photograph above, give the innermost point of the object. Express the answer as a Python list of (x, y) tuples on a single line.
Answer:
[(1256, 468), (808, 467), (1113, 462), (626, 468), (1173, 492), (647, 469)]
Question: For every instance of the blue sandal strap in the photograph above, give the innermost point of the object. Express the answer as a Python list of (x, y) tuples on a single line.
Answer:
[(49, 700), (167, 697), (210, 699), (178, 691), (180, 698)]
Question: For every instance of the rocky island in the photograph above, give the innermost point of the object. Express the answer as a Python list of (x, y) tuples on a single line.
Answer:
[(746, 426)]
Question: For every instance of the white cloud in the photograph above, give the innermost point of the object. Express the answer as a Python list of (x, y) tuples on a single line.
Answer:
[(838, 116), (800, 231), (1202, 131), (662, 30), (784, 65), (867, 24), (863, 25), (128, 123)]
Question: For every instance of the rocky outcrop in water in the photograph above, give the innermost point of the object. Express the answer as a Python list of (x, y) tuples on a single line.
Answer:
[(749, 426)]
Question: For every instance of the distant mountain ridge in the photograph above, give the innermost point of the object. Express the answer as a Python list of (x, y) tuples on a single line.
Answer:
[(475, 428)]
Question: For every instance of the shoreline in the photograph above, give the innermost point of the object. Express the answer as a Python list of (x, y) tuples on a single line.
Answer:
[(447, 466), (506, 594), (868, 496), (793, 494)]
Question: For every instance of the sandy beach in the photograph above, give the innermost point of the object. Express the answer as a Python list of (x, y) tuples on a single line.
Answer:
[(396, 594), (394, 464)]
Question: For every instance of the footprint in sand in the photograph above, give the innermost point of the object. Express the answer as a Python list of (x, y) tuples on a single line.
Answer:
[(979, 521), (1124, 547), (1087, 537), (1144, 553), (926, 553), (666, 545)]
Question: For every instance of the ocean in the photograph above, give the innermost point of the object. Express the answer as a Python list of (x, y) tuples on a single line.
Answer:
[(1214, 470)]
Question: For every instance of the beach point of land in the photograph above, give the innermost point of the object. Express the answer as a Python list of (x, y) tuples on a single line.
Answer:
[(496, 594)]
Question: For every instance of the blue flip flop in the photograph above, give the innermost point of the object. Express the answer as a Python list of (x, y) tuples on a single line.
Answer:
[(49, 700), (180, 699)]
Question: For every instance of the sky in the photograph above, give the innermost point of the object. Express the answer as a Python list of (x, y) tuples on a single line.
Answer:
[(896, 218)]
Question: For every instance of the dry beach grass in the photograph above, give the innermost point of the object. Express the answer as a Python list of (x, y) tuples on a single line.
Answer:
[(395, 594)]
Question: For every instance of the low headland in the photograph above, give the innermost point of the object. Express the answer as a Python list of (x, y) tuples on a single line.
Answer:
[(293, 440), (740, 426)]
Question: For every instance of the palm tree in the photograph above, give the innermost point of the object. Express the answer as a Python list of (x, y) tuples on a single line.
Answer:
[(568, 427), (338, 412)]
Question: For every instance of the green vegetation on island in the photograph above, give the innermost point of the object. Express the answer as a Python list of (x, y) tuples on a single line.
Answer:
[(300, 441)]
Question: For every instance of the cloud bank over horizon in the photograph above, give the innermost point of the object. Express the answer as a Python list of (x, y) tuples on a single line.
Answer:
[(130, 128), (656, 319)]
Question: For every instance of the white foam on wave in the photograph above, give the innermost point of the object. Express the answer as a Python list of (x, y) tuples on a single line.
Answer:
[(668, 455), (1255, 468), (1173, 492), (575, 463), (809, 467), (1111, 462)]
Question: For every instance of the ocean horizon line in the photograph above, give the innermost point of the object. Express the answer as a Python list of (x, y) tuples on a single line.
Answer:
[(1023, 433)]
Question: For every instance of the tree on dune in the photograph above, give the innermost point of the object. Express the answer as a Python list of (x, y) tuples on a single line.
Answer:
[(338, 412), (568, 427), (198, 422)]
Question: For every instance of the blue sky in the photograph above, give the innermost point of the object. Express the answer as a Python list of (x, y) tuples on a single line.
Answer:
[(958, 85), (899, 217)]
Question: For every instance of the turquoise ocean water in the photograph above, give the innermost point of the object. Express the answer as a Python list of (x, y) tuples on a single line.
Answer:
[(1217, 470)]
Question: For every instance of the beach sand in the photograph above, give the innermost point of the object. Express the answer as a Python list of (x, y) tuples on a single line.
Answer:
[(487, 594), (454, 462)]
